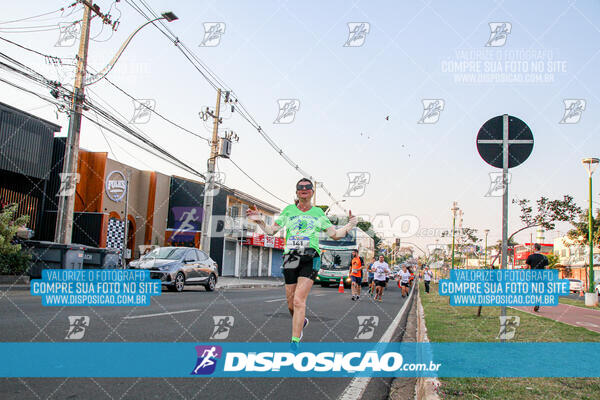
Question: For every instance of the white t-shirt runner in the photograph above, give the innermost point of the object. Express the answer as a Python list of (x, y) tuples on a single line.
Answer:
[(404, 276), (427, 275), (381, 270)]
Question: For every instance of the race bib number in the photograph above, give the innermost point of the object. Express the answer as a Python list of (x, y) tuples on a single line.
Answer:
[(297, 242)]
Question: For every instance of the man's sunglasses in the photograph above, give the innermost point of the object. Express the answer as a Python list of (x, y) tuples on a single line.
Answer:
[(305, 186)]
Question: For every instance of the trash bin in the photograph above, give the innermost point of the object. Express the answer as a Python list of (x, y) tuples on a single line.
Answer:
[(112, 259), (51, 255), (101, 258)]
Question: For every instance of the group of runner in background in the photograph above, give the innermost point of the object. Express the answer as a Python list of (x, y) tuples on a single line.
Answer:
[(378, 275)]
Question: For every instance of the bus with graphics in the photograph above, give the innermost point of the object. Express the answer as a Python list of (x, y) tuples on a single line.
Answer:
[(336, 256)]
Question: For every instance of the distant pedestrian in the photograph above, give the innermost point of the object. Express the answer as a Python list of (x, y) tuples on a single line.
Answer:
[(355, 273), (427, 275), (537, 261), (404, 281), (370, 281), (381, 270)]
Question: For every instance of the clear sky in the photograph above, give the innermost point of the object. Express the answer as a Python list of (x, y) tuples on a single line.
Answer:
[(413, 51)]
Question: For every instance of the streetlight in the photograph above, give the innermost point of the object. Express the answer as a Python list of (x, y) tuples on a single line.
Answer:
[(486, 231), (454, 210), (66, 204), (169, 16), (590, 165)]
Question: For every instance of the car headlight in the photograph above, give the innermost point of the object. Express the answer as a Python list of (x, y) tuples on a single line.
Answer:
[(317, 279)]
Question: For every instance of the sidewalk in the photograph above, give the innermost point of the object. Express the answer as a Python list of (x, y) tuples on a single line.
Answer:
[(572, 315)]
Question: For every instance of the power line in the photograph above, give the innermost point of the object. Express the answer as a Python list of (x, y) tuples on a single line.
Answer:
[(181, 46), (258, 184), (40, 79), (156, 112), (60, 60), (48, 57), (36, 16)]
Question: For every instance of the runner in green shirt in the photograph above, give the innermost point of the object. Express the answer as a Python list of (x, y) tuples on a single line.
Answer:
[(301, 259)]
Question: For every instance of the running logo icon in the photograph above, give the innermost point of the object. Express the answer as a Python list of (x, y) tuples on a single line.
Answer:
[(223, 325), (366, 326), (498, 34), (142, 110), (497, 187), (287, 111), (357, 183), (207, 359), (68, 184), (68, 34), (508, 327), (77, 325), (358, 33), (573, 110), (432, 108), (218, 180), (212, 34)]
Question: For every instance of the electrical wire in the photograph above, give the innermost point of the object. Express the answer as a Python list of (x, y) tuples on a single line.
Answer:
[(258, 184), (155, 149), (156, 112), (62, 9), (219, 83)]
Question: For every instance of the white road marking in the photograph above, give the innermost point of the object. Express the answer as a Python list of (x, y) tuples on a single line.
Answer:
[(587, 324), (160, 314), (357, 386), (272, 300)]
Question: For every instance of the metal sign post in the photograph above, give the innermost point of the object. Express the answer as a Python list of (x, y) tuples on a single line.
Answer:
[(504, 200), (504, 142)]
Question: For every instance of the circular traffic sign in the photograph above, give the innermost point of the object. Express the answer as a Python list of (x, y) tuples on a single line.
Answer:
[(490, 141)]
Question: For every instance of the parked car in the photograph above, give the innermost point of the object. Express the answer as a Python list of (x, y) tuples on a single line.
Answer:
[(597, 289), (179, 266), (575, 285)]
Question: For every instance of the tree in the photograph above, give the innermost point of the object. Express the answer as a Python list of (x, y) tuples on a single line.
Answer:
[(547, 213), (12, 259), (552, 260), (579, 234), (9, 227)]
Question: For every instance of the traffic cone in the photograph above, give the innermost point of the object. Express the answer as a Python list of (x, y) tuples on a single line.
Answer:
[(581, 293), (341, 287)]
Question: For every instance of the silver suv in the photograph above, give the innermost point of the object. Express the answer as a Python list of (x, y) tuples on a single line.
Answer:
[(179, 266)]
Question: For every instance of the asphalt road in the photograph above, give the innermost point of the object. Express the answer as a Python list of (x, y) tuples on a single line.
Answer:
[(259, 315)]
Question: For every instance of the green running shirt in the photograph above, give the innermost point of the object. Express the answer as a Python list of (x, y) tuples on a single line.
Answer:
[(302, 225)]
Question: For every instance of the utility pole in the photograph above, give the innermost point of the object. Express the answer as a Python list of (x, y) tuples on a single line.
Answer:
[(209, 182), (66, 204), (126, 231)]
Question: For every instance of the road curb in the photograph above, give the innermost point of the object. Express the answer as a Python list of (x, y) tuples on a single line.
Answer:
[(426, 388), (14, 280)]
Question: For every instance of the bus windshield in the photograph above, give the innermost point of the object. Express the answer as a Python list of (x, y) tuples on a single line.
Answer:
[(336, 259)]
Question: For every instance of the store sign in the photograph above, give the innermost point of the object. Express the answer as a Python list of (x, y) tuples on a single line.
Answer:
[(266, 241), (116, 186)]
